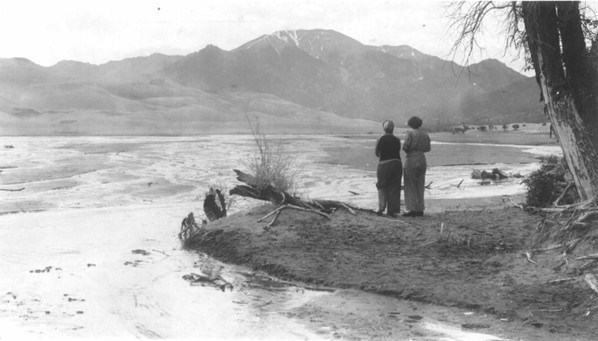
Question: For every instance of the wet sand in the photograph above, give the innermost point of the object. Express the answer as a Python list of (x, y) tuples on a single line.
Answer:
[(458, 270)]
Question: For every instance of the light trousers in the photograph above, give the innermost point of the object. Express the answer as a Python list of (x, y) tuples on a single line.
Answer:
[(414, 177)]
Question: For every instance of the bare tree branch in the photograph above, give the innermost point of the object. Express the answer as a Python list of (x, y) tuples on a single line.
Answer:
[(467, 22)]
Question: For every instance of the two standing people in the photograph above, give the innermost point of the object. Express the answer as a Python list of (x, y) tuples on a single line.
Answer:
[(390, 169)]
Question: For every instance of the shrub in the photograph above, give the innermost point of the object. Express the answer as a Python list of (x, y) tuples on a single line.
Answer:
[(547, 183), (271, 165)]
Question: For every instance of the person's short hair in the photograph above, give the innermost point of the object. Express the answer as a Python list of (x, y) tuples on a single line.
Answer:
[(388, 126), (415, 122)]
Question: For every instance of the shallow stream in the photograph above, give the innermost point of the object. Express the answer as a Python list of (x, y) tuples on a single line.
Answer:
[(88, 233)]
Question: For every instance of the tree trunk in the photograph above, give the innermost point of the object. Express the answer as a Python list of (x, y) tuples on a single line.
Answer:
[(560, 91)]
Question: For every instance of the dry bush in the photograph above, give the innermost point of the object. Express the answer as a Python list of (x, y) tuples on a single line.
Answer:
[(547, 183), (271, 165)]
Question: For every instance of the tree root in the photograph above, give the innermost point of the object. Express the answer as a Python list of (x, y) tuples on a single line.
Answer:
[(189, 227)]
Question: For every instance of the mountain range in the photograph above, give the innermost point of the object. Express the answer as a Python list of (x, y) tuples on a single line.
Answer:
[(305, 81)]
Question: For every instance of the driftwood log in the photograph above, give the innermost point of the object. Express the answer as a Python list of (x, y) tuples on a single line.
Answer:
[(279, 197), (285, 200)]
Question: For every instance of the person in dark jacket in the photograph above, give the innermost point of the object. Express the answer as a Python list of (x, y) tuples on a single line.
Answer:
[(417, 142), (390, 171)]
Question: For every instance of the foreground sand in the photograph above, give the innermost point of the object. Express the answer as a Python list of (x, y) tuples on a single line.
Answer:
[(469, 259)]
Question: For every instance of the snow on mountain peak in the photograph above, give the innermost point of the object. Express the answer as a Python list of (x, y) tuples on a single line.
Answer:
[(288, 36)]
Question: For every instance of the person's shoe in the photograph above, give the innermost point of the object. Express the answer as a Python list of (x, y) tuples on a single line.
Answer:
[(409, 214), (380, 213), (418, 214), (392, 215)]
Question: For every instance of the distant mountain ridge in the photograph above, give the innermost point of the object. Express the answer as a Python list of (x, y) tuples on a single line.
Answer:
[(304, 81)]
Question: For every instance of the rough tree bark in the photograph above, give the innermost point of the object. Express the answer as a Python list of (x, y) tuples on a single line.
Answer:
[(567, 78)]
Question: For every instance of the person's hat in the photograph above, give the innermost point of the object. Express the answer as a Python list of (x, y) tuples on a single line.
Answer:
[(388, 126), (415, 122)]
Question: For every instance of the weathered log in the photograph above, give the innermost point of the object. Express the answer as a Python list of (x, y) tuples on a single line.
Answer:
[(267, 193), (285, 200), (279, 197)]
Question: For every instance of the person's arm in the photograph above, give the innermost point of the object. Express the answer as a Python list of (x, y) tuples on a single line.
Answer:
[(408, 142), (378, 148), (427, 147), (398, 139)]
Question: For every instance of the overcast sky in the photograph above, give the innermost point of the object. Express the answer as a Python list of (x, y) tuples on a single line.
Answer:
[(96, 31)]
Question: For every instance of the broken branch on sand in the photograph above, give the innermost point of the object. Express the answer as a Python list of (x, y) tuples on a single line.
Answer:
[(307, 210), (162, 252), (515, 204), (267, 227), (348, 209), (592, 256), (528, 255), (561, 280), (289, 206), (592, 282), (569, 185), (550, 248), (588, 265)]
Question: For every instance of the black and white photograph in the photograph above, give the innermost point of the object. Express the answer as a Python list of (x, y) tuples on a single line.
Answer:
[(299, 170)]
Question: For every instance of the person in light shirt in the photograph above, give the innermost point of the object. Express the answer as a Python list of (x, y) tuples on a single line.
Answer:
[(417, 142)]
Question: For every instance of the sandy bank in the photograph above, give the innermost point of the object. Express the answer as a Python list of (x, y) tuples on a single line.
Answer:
[(474, 263)]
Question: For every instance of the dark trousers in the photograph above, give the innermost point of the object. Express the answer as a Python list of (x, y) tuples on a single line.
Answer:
[(389, 174)]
